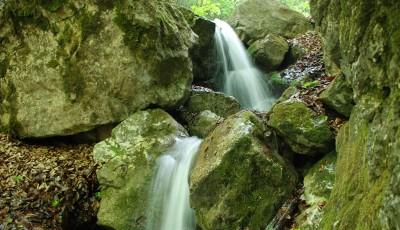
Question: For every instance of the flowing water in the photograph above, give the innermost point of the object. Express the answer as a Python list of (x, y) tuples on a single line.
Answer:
[(169, 207), (240, 78)]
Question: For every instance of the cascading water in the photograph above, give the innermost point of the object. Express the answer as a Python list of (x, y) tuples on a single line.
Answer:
[(240, 78), (169, 207)]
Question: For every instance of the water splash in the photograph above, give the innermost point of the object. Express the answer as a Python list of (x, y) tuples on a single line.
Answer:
[(240, 78), (169, 207)]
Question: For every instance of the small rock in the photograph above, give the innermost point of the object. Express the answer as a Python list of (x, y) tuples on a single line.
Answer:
[(269, 52), (303, 130)]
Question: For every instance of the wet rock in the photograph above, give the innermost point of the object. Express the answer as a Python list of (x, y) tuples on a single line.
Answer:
[(318, 184), (269, 52), (126, 161), (238, 182), (71, 67), (303, 130), (255, 19), (339, 96), (362, 44)]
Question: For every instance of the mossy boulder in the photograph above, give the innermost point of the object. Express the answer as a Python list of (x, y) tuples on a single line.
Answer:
[(301, 128), (339, 96), (318, 184), (237, 181), (203, 123), (255, 19), (269, 52), (126, 163), (204, 99), (205, 109), (361, 39), (72, 66)]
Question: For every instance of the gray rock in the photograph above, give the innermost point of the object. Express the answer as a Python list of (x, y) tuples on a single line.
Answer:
[(73, 67)]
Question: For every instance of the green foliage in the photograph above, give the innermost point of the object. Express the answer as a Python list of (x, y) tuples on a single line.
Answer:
[(302, 6), (211, 8), (310, 84), (224, 8), (55, 203), (17, 179)]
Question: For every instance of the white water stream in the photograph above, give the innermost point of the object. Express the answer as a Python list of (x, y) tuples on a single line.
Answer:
[(240, 78), (169, 207)]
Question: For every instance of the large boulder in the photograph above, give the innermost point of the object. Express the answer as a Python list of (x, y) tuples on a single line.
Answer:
[(126, 162), (318, 184), (301, 128), (361, 39), (339, 96), (269, 52), (238, 182), (255, 19), (69, 67)]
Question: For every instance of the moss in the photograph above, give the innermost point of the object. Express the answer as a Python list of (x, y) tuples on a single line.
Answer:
[(53, 64), (90, 24), (65, 37), (73, 81), (170, 71), (133, 33), (3, 66), (106, 4), (52, 5)]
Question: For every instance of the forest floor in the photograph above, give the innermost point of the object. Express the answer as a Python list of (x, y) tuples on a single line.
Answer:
[(311, 64), (46, 186)]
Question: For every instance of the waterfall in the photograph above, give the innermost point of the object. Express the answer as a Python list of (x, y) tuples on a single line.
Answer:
[(169, 207), (240, 78)]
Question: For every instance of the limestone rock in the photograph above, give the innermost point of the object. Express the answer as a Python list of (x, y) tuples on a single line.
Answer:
[(255, 19), (269, 52), (303, 130), (126, 163), (339, 96), (238, 182), (73, 66), (361, 39), (318, 184)]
